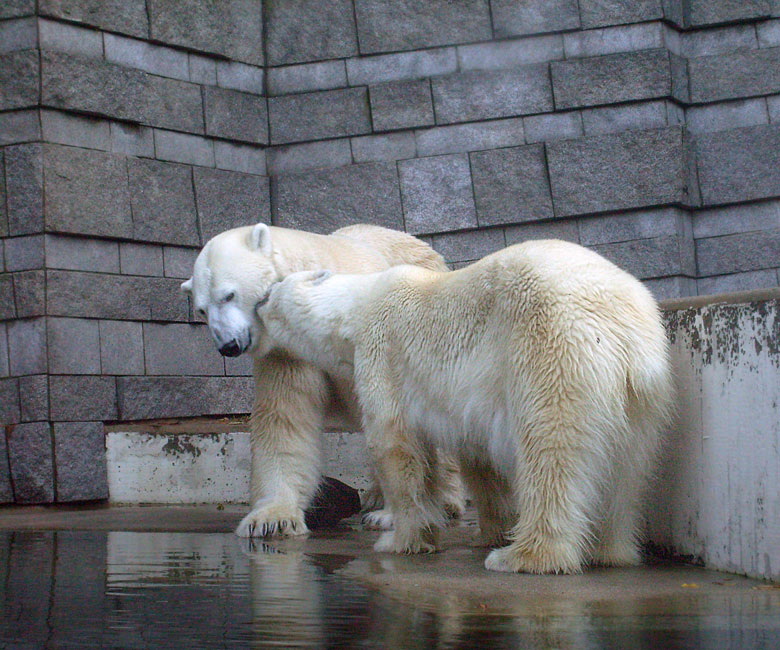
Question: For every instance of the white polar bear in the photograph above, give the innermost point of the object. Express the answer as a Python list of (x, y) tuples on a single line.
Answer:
[(544, 367), (294, 400)]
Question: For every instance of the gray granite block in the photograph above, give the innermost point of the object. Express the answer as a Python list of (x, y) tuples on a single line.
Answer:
[(140, 259), (154, 397), (81, 254), (511, 185), (121, 348), (469, 245), (235, 115), (163, 202), (228, 199), (7, 302), (617, 172), (699, 13), (719, 40), (481, 95), (611, 40), (14, 8), (749, 251), (518, 17), (389, 25), (239, 76), (437, 194), (74, 346), (30, 293), (651, 258), (601, 13), (6, 490), (21, 34), (4, 367), (734, 75), (642, 224), (732, 219), (203, 70), (179, 261), (739, 165), (82, 397), (180, 349), (163, 61), (403, 65), (240, 157), (56, 36), (31, 462), (3, 208), (75, 130), (19, 79), (34, 398), (565, 229), (324, 75), (388, 146), (132, 139), (309, 30), (553, 126), (401, 105), (293, 158), (94, 86), (24, 188), (86, 192), (324, 200), (748, 281), (9, 401), (232, 28), (80, 452), (498, 55), (19, 126), (96, 295), (611, 79), (312, 116), (728, 115), (165, 300), (674, 286), (27, 346), (460, 138), (614, 119), (124, 16), (24, 253), (183, 148)]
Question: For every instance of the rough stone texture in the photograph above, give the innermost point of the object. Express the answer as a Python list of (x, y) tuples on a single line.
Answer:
[(78, 398), (19, 126), (611, 79), (235, 115), (401, 105), (76, 131), (311, 116), (27, 346), (651, 258), (389, 146), (19, 79), (121, 348), (559, 229), (163, 61), (240, 157), (143, 398), (324, 75), (498, 55), (57, 36), (19, 34), (93, 86), (30, 456), (739, 165), (132, 139), (180, 349), (617, 172), (748, 251), (7, 302), (74, 346), (309, 30), (6, 491), (614, 119), (699, 13), (232, 28), (388, 25), (309, 155), (460, 138), (30, 293), (125, 16), (24, 188), (599, 13), (9, 401), (86, 192), (4, 368), (518, 17), (553, 126), (324, 200), (163, 202), (611, 40), (229, 199), (437, 194), (34, 398), (183, 148), (24, 253), (81, 254), (729, 220), (13, 8), (239, 76), (643, 224), (511, 185), (736, 282), (724, 116), (179, 261), (468, 246), (405, 65), (481, 95), (734, 75), (80, 452)]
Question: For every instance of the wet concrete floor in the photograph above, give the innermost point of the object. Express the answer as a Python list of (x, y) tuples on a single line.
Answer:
[(174, 577)]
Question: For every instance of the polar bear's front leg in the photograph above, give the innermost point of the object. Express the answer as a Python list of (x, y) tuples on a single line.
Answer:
[(285, 431)]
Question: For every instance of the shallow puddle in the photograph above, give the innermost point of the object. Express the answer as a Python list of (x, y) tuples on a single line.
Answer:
[(96, 589)]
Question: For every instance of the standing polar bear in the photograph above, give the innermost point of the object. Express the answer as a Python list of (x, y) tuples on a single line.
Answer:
[(294, 400), (544, 367)]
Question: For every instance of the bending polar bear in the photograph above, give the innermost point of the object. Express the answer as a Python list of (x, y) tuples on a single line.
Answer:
[(543, 367), (294, 400)]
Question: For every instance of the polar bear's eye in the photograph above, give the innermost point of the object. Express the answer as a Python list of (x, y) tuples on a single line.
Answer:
[(202, 312), (230, 296), (264, 299)]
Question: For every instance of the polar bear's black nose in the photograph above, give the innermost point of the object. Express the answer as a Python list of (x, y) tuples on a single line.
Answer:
[(230, 349)]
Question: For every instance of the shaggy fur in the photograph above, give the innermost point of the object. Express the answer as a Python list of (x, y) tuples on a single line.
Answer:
[(543, 367)]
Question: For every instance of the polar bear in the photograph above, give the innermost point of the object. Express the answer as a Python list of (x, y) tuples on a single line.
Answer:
[(544, 367), (294, 400)]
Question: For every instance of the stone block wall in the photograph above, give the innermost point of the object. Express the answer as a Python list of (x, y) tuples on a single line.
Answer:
[(131, 131)]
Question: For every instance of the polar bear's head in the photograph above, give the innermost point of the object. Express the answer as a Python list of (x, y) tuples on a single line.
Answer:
[(232, 272)]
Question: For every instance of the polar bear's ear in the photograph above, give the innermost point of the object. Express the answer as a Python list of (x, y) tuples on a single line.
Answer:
[(320, 276), (260, 239), (186, 287)]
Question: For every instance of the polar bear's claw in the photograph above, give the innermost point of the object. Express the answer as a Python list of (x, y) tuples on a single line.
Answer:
[(273, 520)]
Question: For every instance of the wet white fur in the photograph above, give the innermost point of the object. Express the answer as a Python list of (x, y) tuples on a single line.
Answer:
[(544, 367), (294, 400)]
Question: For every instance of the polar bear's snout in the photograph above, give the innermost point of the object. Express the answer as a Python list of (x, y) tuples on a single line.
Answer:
[(230, 349)]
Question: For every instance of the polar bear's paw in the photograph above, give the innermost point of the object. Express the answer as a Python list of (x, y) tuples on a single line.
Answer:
[(378, 520), (510, 560), (389, 542), (270, 520)]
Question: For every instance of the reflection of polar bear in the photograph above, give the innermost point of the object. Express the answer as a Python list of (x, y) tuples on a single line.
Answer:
[(543, 366), (293, 399)]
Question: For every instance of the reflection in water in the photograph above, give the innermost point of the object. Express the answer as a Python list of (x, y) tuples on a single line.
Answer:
[(160, 590)]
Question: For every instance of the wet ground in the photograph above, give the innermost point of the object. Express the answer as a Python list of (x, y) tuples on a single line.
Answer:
[(177, 578)]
